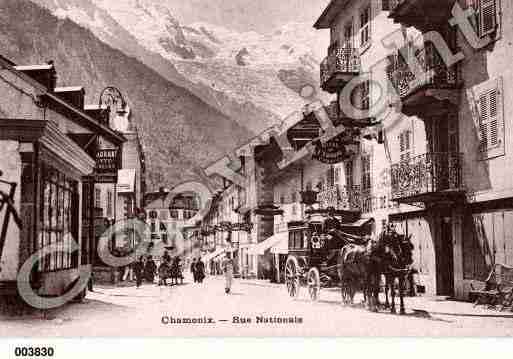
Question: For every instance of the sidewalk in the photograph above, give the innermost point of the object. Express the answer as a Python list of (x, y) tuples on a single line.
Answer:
[(430, 305)]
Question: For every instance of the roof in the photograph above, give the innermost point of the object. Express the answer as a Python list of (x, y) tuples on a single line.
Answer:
[(94, 107), (34, 67), (329, 14), (90, 122), (69, 89)]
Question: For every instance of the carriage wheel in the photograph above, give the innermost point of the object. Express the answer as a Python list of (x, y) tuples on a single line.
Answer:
[(314, 283), (292, 277)]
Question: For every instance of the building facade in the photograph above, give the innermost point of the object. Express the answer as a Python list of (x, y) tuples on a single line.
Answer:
[(51, 161), (441, 172)]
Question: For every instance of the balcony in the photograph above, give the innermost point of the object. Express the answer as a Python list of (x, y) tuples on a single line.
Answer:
[(424, 15), (340, 66), (433, 90), (432, 177), (107, 161), (342, 198)]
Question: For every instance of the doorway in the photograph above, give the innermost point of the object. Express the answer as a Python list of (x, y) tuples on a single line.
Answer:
[(445, 259)]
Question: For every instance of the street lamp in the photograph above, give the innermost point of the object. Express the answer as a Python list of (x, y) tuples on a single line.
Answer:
[(109, 97)]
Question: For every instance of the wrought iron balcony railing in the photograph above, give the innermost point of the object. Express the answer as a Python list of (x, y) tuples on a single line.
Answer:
[(341, 198), (427, 174), (432, 72), (341, 62), (107, 161)]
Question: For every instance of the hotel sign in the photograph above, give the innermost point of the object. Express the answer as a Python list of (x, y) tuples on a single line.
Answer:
[(332, 152)]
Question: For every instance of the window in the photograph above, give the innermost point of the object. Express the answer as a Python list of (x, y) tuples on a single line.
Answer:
[(365, 95), (309, 186), (282, 199), (385, 5), (348, 35), (405, 145), (153, 227), (486, 16), (360, 97), (162, 227), (490, 118), (366, 172), (320, 184), (330, 177), (293, 196), (109, 204), (365, 19), (59, 219), (97, 198), (349, 174), (337, 174)]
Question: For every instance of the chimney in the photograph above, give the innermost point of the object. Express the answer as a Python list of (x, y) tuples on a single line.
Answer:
[(101, 115), (45, 74), (72, 95)]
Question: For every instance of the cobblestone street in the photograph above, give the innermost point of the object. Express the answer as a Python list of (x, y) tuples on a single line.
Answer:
[(151, 311)]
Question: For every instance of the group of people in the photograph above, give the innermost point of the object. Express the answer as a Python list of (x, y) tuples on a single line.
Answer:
[(198, 270), (144, 269), (227, 266)]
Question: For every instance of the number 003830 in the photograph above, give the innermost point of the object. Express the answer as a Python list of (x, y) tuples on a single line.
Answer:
[(33, 352)]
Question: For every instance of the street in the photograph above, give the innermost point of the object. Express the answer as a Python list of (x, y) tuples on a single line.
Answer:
[(255, 308)]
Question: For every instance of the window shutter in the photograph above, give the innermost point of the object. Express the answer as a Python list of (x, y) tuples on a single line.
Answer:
[(487, 17), (491, 119)]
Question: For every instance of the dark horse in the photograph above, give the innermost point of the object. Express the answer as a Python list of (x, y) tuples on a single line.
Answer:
[(360, 266), (396, 265)]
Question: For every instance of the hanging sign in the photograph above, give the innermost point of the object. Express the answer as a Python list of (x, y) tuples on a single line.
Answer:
[(332, 152)]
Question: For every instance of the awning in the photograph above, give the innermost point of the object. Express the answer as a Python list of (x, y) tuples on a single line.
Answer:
[(282, 247), (210, 256), (359, 223), (126, 181), (260, 248)]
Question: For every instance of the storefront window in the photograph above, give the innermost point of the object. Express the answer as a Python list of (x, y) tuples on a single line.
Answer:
[(59, 219)]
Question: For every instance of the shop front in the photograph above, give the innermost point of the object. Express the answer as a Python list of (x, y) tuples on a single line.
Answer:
[(49, 168)]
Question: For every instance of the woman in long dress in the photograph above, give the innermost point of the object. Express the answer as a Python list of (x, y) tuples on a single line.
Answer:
[(227, 267)]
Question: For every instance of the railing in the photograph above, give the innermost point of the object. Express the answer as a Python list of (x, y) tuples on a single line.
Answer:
[(341, 198), (428, 173), (432, 71), (107, 160), (340, 59)]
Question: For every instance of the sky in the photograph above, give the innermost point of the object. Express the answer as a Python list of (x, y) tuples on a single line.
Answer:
[(262, 16)]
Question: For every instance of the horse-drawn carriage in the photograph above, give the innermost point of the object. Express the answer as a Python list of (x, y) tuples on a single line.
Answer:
[(327, 250), (313, 251)]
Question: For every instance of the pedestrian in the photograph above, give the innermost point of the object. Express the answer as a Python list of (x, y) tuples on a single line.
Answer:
[(149, 269), (227, 267), (138, 270), (193, 270), (200, 270)]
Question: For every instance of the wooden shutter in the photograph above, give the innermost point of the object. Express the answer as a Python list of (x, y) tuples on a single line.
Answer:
[(489, 119), (365, 21), (487, 17)]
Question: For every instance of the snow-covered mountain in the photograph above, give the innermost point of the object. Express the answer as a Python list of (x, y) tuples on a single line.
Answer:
[(253, 78)]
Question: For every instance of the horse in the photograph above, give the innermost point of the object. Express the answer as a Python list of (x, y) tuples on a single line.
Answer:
[(359, 268), (396, 264)]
